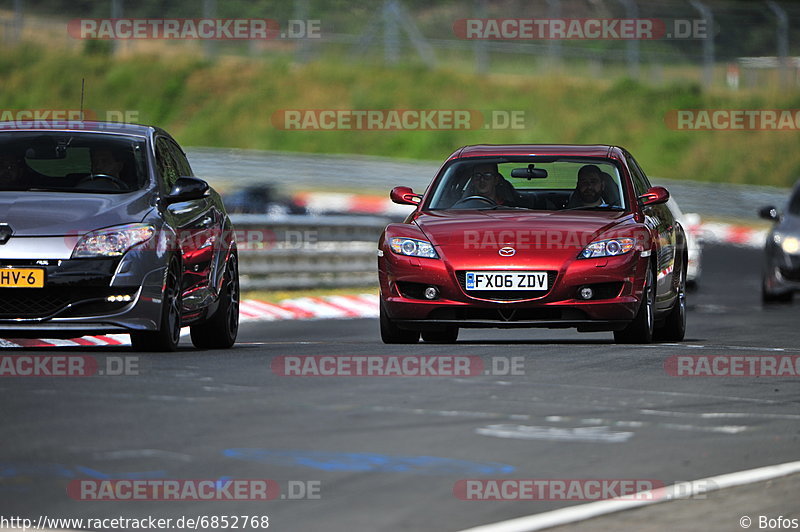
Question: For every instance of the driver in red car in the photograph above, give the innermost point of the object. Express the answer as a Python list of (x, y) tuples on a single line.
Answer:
[(489, 183)]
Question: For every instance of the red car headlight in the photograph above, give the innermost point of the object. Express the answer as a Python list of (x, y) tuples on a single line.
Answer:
[(607, 248), (413, 248)]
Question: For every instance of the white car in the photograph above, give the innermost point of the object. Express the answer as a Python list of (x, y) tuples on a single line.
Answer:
[(692, 226)]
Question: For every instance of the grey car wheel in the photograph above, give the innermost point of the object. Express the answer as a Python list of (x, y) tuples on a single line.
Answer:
[(220, 330), (167, 337)]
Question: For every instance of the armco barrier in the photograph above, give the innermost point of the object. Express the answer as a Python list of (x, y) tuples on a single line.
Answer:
[(340, 251), (277, 252)]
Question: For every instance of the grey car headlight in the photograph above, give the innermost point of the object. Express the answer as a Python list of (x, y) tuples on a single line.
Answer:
[(789, 244), (112, 241)]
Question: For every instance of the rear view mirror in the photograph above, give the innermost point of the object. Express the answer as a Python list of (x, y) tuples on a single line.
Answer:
[(529, 173), (768, 213), (404, 196), (654, 196), (45, 153)]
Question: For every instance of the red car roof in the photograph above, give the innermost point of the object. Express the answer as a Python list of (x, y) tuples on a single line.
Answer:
[(486, 150)]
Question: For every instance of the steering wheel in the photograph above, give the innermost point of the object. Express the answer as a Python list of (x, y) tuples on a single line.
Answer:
[(490, 201), (114, 180)]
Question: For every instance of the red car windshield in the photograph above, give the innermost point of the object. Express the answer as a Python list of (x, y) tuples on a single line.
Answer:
[(534, 184)]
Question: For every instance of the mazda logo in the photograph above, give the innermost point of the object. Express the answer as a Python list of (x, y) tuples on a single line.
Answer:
[(5, 233), (507, 251)]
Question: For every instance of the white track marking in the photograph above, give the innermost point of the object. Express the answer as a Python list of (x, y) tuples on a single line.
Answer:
[(269, 310), (60, 342), (528, 432), (724, 429), (718, 347), (141, 453), (450, 413), (316, 307), (683, 490), (336, 307), (719, 415), (660, 392), (359, 305)]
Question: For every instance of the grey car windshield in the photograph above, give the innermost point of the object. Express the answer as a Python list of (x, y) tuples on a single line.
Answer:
[(72, 162), (533, 184), (794, 203)]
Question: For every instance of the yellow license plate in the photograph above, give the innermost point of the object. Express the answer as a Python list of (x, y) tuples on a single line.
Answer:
[(21, 278)]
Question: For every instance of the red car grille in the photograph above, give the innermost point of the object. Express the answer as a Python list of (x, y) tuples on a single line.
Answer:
[(506, 295)]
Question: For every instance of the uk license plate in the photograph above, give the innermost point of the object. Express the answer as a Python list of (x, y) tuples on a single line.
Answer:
[(21, 278), (506, 280)]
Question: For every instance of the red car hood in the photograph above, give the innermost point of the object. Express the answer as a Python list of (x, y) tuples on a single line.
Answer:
[(539, 238)]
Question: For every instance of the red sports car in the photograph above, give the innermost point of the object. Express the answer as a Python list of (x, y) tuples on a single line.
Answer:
[(534, 236)]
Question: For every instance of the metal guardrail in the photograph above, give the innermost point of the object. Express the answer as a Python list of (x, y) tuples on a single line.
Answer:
[(229, 168), (281, 252)]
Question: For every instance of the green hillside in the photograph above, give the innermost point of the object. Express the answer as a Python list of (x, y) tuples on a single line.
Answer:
[(231, 103)]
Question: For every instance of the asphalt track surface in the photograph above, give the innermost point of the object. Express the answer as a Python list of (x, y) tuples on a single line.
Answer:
[(387, 451)]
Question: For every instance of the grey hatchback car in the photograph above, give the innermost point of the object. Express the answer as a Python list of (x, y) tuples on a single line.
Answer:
[(104, 229)]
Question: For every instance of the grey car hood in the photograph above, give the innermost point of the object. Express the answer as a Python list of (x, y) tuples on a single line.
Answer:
[(789, 224), (64, 213)]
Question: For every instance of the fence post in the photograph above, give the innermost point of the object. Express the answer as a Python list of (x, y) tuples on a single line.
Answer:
[(632, 46), (18, 22), (117, 11), (479, 45), (209, 11), (554, 45), (708, 42), (391, 37), (302, 49), (782, 37)]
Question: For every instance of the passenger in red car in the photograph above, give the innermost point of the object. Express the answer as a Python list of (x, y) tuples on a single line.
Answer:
[(590, 188)]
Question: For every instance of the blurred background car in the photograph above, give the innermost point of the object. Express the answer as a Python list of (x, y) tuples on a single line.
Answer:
[(691, 223), (261, 199), (781, 273)]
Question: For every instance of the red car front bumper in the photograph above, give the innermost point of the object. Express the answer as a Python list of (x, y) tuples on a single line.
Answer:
[(616, 281)]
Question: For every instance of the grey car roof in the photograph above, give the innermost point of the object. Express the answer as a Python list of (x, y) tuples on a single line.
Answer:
[(81, 126)]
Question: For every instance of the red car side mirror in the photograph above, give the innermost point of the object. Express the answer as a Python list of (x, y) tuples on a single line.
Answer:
[(654, 196), (404, 196)]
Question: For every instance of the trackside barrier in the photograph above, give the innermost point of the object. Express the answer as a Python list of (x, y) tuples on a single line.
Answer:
[(283, 252)]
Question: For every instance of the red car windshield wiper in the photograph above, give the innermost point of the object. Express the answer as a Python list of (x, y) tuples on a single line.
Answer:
[(598, 207)]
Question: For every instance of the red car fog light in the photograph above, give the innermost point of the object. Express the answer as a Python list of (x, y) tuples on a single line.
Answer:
[(586, 293), (431, 292)]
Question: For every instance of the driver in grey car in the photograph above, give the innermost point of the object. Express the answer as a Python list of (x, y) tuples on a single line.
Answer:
[(12, 172), (105, 162)]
